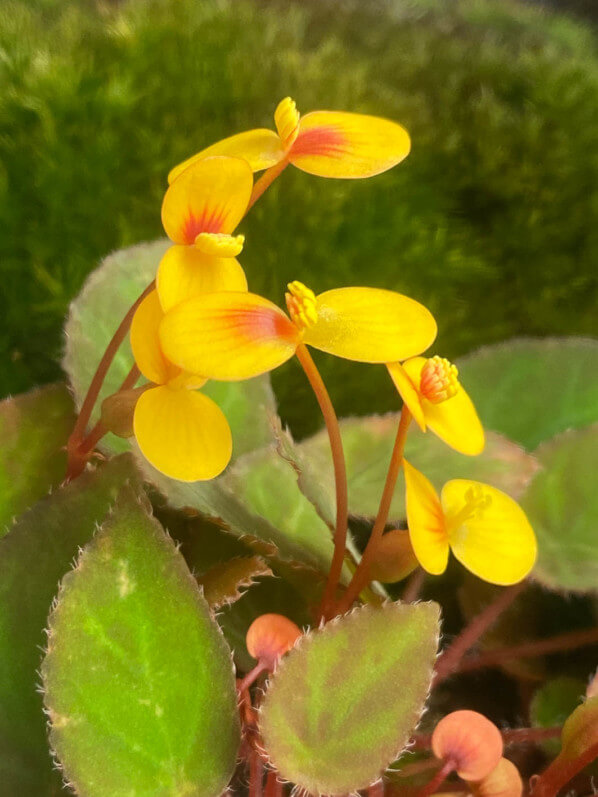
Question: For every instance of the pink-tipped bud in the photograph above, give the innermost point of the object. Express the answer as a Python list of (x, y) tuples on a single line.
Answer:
[(503, 781), (470, 741), (270, 636)]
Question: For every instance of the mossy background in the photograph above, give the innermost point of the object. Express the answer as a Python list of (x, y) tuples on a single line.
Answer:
[(491, 221)]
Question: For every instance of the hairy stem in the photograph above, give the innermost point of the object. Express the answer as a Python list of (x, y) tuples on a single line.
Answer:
[(273, 785), (256, 774), (438, 779), (340, 475), (449, 660), (252, 676), (414, 585), (86, 446), (555, 644), (361, 574), (266, 181)]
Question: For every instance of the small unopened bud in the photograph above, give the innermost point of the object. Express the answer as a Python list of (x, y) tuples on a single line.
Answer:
[(503, 781), (471, 741), (118, 411), (270, 636), (393, 558)]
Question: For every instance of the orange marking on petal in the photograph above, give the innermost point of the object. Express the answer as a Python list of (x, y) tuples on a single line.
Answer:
[(207, 222), (321, 141)]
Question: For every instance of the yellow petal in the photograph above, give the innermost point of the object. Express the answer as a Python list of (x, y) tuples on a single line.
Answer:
[(184, 434), (426, 522), (408, 392), (185, 272), (455, 420), (493, 538), (261, 149), (370, 325), (219, 244), (335, 144), (210, 196), (228, 336), (145, 342)]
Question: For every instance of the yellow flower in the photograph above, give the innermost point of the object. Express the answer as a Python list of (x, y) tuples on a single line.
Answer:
[(486, 530), (183, 433), (230, 336), (436, 399), (200, 210), (324, 143)]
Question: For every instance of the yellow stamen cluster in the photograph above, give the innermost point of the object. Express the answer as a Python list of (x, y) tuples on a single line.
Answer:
[(439, 380), (301, 304), (219, 244), (286, 117)]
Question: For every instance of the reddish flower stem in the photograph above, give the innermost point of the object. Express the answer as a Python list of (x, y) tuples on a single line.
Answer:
[(252, 676), (414, 585), (340, 476), (88, 443), (256, 774), (273, 785), (449, 661), (266, 181), (377, 790), (561, 771), (555, 644), (77, 436), (361, 574), (438, 779)]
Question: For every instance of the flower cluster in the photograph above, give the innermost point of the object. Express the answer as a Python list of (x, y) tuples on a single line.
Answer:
[(202, 323)]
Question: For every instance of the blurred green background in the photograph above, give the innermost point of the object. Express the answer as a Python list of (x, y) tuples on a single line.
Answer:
[(491, 221)]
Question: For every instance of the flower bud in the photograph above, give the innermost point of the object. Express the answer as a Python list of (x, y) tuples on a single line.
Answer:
[(503, 781), (271, 636), (118, 410), (393, 558), (471, 741)]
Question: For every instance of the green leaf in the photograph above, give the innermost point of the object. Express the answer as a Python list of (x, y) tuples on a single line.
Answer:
[(139, 685), (94, 316), (562, 506), (34, 428), (225, 583), (368, 444), (552, 703), (345, 701), (257, 498), (34, 556), (530, 390)]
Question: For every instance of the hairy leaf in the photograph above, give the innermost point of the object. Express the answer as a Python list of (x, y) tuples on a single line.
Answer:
[(34, 428), (34, 556), (368, 443), (138, 680), (344, 702), (225, 583), (530, 390), (562, 506)]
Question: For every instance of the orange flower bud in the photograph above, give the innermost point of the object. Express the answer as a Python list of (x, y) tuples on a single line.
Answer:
[(471, 741), (503, 781), (393, 558), (271, 636)]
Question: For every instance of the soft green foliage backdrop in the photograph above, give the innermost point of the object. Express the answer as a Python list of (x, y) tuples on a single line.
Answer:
[(489, 221)]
